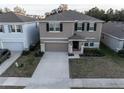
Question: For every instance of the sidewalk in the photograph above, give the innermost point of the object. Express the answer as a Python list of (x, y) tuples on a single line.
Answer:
[(14, 81), (5, 65), (97, 83)]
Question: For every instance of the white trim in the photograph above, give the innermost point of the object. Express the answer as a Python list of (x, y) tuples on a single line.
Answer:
[(7, 23), (54, 31), (99, 21), (12, 38), (112, 36), (51, 38), (89, 38), (15, 28), (56, 41), (77, 40), (91, 31)]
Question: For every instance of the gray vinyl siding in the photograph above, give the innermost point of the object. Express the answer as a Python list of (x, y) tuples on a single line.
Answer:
[(112, 42), (95, 34), (68, 31)]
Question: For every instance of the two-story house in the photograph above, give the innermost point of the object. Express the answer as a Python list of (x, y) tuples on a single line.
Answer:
[(69, 31), (17, 32)]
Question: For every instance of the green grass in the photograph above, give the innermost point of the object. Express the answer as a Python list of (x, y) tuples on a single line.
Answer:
[(29, 62), (109, 66)]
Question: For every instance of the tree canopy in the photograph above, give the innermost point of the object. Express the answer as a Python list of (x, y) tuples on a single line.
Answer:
[(109, 15)]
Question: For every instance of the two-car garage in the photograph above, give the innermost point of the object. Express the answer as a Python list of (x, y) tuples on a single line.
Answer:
[(56, 47)]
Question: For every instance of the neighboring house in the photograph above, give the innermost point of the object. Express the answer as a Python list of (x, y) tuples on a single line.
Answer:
[(17, 32), (113, 35), (69, 31)]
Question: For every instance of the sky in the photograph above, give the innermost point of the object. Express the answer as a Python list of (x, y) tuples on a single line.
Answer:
[(39, 7)]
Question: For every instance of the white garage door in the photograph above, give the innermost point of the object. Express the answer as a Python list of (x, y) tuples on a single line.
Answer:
[(14, 46)]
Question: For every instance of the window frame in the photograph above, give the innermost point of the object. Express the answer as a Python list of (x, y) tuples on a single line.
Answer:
[(86, 43), (91, 43), (80, 26), (92, 28), (54, 26), (13, 29)]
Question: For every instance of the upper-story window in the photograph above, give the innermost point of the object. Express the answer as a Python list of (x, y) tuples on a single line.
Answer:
[(15, 28), (1, 28), (91, 27), (54, 27), (79, 26), (18, 28)]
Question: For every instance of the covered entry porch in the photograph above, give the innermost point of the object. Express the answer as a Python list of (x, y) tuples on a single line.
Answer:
[(76, 44)]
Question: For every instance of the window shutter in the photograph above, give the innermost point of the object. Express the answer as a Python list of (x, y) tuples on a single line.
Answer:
[(75, 26), (95, 26), (47, 27), (82, 26), (88, 25), (9, 26), (61, 27)]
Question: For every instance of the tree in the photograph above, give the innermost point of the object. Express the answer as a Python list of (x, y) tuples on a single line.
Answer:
[(63, 7), (110, 14), (19, 10), (6, 10), (96, 12), (1, 11)]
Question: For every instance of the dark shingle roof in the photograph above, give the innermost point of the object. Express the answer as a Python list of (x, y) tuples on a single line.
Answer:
[(114, 28), (70, 15), (12, 17)]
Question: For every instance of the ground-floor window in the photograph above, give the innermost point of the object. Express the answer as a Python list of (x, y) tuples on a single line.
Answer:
[(89, 44), (86, 44), (92, 44)]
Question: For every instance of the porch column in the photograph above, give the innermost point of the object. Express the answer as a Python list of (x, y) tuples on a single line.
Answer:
[(70, 50), (82, 49), (42, 46)]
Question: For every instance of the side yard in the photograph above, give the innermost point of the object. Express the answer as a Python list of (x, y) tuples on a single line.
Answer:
[(109, 66), (26, 65)]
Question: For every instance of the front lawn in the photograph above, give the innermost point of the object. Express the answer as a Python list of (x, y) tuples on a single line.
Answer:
[(109, 66), (28, 64)]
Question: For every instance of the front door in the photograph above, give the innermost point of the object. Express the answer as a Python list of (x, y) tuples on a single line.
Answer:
[(75, 45)]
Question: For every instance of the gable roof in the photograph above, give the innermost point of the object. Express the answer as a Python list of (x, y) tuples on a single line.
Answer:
[(12, 17), (70, 15), (115, 29)]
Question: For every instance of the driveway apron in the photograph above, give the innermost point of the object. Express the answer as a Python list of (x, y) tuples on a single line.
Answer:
[(52, 71)]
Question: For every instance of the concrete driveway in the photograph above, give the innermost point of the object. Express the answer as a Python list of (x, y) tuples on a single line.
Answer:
[(7, 63), (52, 71)]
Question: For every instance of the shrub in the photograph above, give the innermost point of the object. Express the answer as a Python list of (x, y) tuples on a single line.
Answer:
[(92, 52), (39, 54), (81, 55), (70, 54), (121, 53), (32, 47), (25, 52)]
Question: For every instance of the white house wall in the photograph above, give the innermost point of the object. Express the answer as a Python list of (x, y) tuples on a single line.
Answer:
[(32, 33), (112, 43), (29, 35)]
